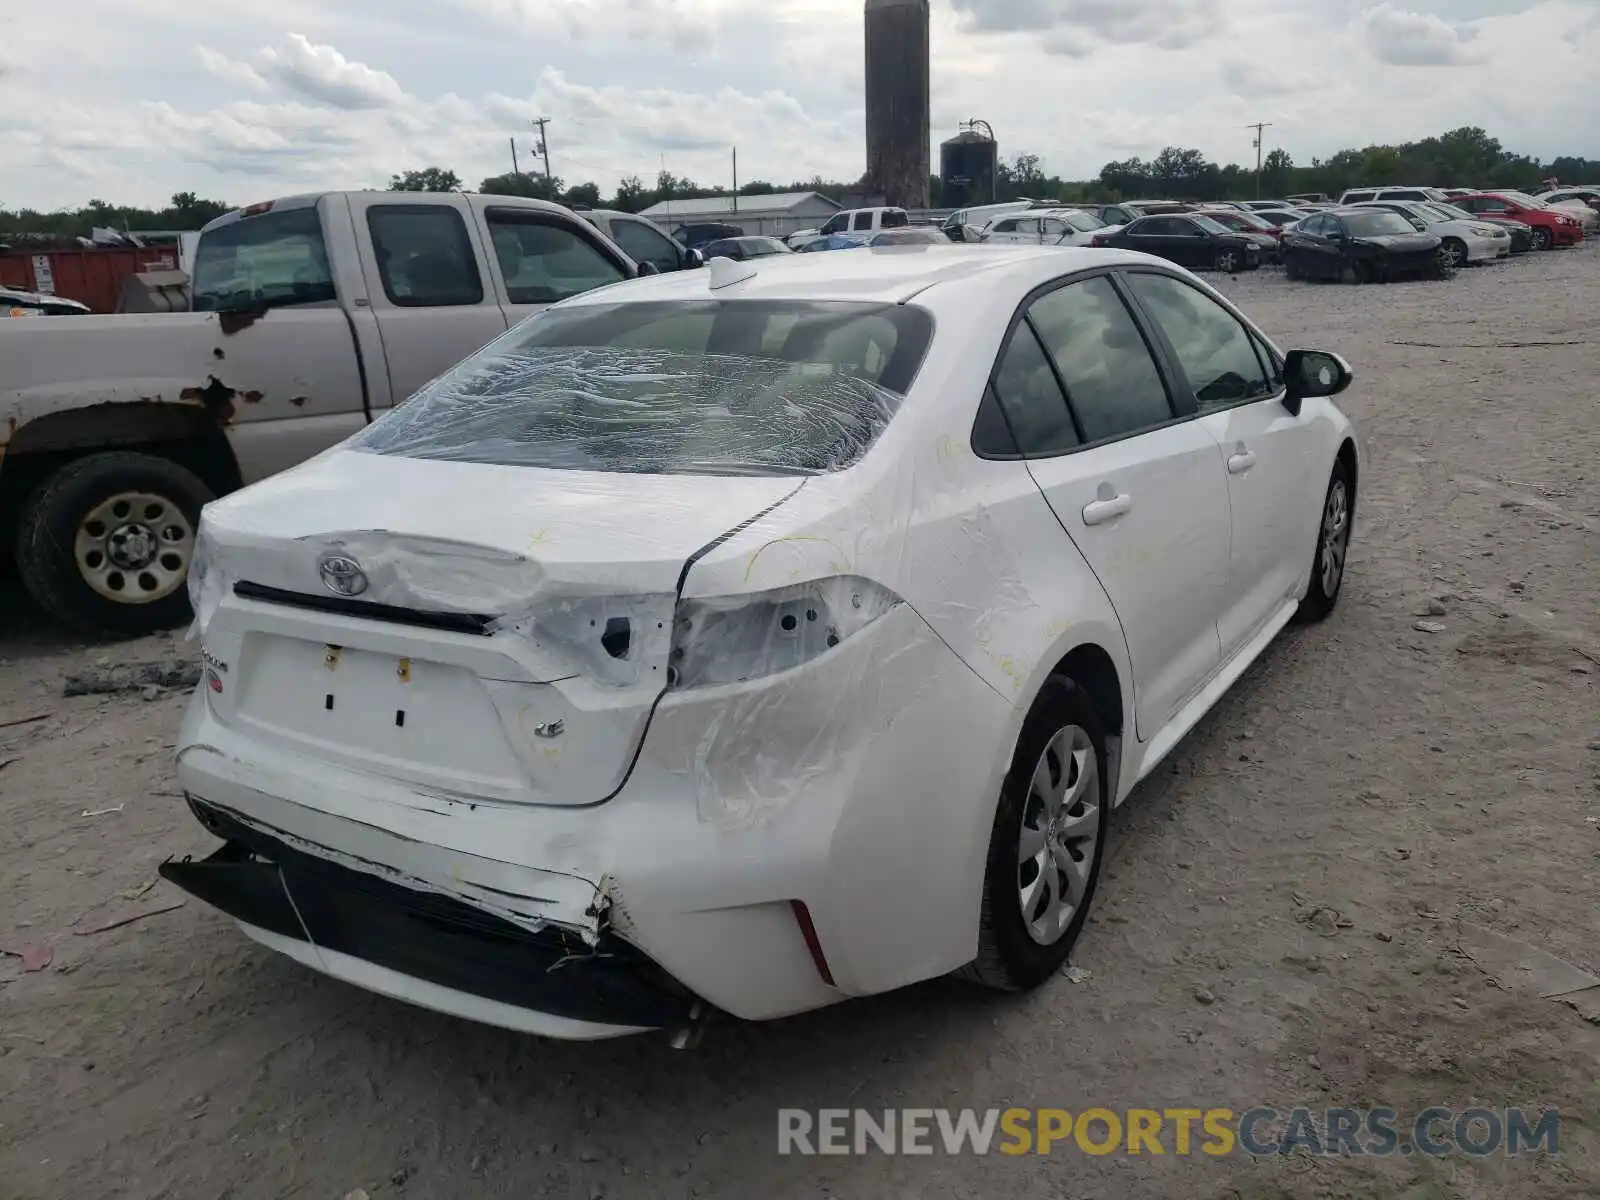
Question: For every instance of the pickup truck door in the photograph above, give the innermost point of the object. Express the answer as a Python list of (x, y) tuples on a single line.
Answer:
[(429, 282), (541, 256)]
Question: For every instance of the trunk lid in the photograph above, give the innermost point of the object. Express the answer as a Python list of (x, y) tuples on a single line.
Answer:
[(497, 632)]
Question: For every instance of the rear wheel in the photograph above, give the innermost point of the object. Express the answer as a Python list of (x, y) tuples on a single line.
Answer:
[(1291, 268), (106, 541), (1542, 238), (1047, 843)]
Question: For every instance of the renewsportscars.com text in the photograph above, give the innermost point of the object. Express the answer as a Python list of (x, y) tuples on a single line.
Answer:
[(1433, 1132)]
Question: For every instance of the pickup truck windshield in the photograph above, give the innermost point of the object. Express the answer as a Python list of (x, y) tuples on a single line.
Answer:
[(265, 261), (698, 387)]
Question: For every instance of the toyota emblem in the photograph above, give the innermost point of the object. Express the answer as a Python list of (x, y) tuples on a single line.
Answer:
[(342, 575)]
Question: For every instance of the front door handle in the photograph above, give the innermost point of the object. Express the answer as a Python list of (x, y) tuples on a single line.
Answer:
[(1240, 461), (1107, 506)]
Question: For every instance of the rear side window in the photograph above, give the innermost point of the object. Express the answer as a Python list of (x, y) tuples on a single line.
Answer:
[(424, 255), (545, 261), (1111, 379), (692, 387), (267, 261), (1007, 226), (1218, 356), (863, 220), (895, 219), (1031, 398)]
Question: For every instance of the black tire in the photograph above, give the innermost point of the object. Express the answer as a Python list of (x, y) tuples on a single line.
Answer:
[(1543, 239), (1228, 261), (1452, 255), (1320, 597), (48, 528), (1291, 269), (1352, 272), (1009, 959)]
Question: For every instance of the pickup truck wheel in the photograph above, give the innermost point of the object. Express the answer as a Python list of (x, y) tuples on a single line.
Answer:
[(106, 541)]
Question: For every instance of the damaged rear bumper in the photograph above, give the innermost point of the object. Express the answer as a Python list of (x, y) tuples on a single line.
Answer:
[(429, 949)]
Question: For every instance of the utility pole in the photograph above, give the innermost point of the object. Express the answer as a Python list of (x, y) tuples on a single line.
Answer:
[(736, 179), (543, 147), (1258, 127), (515, 169)]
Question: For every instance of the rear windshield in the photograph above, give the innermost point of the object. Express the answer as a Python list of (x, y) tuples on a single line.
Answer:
[(266, 261), (1370, 224), (688, 387)]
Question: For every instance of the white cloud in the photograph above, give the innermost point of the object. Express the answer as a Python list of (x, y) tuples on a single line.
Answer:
[(1410, 39), (322, 73), (1169, 24), (230, 69)]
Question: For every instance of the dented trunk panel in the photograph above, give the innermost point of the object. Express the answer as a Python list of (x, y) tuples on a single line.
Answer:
[(542, 689)]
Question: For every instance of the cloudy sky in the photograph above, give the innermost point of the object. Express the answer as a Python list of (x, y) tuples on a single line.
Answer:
[(132, 100)]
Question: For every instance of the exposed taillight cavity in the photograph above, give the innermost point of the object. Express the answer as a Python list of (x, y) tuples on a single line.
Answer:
[(255, 210), (734, 639)]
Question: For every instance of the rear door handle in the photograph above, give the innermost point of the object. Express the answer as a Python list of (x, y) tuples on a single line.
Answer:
[(1107, 508), (1241, 461)]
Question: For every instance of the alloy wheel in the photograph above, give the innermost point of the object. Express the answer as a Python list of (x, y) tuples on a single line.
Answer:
[(1449, 256), (1061, 824), (1335, 537), (1226, 261), (134, 548)]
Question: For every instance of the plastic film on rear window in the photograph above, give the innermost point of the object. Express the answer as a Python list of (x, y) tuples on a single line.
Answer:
[(790, 388)]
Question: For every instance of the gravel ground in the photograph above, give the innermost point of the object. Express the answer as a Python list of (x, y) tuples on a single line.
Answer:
[(1421, 784)]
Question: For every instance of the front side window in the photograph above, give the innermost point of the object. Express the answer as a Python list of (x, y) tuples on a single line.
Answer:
[(1111, 380), (546, 261), (1007, 226), (643, 244), (266, 261), (836, 224), (708, 387), (1217, 354), (424, 256)]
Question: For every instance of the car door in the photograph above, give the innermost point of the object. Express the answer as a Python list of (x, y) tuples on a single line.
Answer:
[(1268, 455), (1136, 486), (644, 243), (1191, 245), (1149, 235), (426, 271), (1314, 251)]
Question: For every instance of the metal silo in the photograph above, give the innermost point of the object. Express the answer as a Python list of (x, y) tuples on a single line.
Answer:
[(897, 100)]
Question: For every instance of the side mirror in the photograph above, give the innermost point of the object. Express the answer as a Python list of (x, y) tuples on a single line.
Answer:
[(646, 268), (1309, 373), (694, 258)]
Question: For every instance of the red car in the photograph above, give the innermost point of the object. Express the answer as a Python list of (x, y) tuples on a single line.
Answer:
[(1550, 226)]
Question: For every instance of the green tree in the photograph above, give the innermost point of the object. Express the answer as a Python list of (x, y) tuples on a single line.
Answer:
[(630, 195), (428, 179), (586, 195)]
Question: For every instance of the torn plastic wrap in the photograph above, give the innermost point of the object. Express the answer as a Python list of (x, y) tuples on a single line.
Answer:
[(796, 390)]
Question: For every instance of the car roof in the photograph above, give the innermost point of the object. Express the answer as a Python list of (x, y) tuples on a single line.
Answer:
[(886, 275)]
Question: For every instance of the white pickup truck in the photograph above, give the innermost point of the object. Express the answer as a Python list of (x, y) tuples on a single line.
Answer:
[(310, 316)]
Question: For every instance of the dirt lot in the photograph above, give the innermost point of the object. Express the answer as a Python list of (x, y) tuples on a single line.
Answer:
[(1421, 784)]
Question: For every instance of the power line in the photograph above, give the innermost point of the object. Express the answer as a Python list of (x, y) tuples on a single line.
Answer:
[(1258, 127)]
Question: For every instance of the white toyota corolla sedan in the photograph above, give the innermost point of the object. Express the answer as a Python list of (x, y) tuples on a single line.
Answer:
[(752, 638)]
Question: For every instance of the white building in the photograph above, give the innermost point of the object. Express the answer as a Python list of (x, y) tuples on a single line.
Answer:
[(774, 216)]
